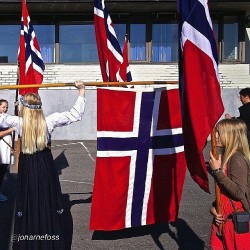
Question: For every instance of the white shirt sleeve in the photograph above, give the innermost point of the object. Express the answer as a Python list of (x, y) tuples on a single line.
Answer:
[(10, 121), (65, 118)]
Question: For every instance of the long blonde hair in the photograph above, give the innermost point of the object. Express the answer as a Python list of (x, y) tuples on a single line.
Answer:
[(233, 137), (34, 128)]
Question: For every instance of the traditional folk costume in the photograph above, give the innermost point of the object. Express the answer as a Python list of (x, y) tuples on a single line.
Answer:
[(5, 149), (5, 158), (235, 186), (39, 208)]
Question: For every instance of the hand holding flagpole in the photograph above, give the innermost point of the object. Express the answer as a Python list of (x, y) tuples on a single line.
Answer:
[(217, 189)]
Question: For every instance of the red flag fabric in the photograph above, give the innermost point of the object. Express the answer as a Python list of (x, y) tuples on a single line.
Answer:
[(125, 73), (31, 66), (111, 59), (140, 164), (199, 84)]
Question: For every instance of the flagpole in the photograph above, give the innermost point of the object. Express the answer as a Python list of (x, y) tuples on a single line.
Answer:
[(18, 142), (217, 189), (96, 84)]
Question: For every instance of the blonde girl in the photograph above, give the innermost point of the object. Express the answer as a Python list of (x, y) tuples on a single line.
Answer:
[(232, 173), (39, 208)]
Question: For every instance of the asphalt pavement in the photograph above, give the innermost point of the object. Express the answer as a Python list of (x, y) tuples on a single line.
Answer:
[(75, 161)]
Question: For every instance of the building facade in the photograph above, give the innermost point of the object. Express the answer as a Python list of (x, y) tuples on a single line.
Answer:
[(66, 35)]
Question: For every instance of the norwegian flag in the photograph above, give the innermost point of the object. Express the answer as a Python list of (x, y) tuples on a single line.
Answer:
[(199, 83), (140, 164), (125, 73), (111, 58), (31, 66)]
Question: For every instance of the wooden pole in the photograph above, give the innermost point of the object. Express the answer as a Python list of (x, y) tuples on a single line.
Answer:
[(97, 84), (16, 145), (217, 189)]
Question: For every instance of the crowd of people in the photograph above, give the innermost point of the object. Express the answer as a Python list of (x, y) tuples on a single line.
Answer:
[(39, 208)]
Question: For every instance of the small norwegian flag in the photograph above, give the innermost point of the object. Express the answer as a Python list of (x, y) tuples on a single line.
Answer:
[(31, 66), (114, 64)]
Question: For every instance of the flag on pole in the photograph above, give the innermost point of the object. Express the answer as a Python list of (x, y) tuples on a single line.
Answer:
[(111, 58), (140, 164), (31, 66), (199, 83), (125, 73)]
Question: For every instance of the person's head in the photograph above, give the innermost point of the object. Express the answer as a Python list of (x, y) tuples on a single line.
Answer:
[(3, 106), (232, 135), (245, 95), (34, 128)]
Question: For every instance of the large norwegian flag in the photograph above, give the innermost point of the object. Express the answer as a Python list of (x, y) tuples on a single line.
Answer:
[(111, 58), (31, 66), (199, 84), (140, 164)]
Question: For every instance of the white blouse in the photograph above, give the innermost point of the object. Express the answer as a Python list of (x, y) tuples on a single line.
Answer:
[(54, 120), (5, 152)]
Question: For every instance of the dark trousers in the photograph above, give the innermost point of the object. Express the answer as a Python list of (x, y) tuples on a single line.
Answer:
[(3, 170)]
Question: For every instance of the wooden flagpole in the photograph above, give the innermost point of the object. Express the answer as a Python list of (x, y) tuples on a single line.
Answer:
[(54, 85), (217, 189), (16, 145), (96, 84)]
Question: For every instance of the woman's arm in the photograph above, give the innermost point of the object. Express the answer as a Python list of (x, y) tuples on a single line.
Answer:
[(235, 183), (9, 121), (6, 132), (73, 115)]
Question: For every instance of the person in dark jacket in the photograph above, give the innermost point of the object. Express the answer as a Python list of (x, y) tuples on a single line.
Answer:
[(244, 109)]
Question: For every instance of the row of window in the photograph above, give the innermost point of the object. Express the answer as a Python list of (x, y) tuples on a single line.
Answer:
[(153, 43)]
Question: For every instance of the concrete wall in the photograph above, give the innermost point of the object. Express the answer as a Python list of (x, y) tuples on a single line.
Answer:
[(62, 100)]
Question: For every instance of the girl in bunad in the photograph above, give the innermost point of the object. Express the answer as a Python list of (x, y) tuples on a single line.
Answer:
[(39, 211)]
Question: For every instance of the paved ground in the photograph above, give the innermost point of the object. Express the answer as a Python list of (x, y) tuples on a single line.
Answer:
[(76, 163)]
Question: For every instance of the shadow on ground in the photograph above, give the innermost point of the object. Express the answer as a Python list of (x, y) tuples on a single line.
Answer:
[(178, 231), (68, 219)]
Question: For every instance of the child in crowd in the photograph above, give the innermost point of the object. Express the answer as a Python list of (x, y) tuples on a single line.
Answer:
[(5, 148)]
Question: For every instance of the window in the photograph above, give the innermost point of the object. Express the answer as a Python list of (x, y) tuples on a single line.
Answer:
[(77, 43), (164, 43), (231, 38), (138, 42), (46, 39), (216, 32), (9, 43), (153, 38), (120, 30)]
